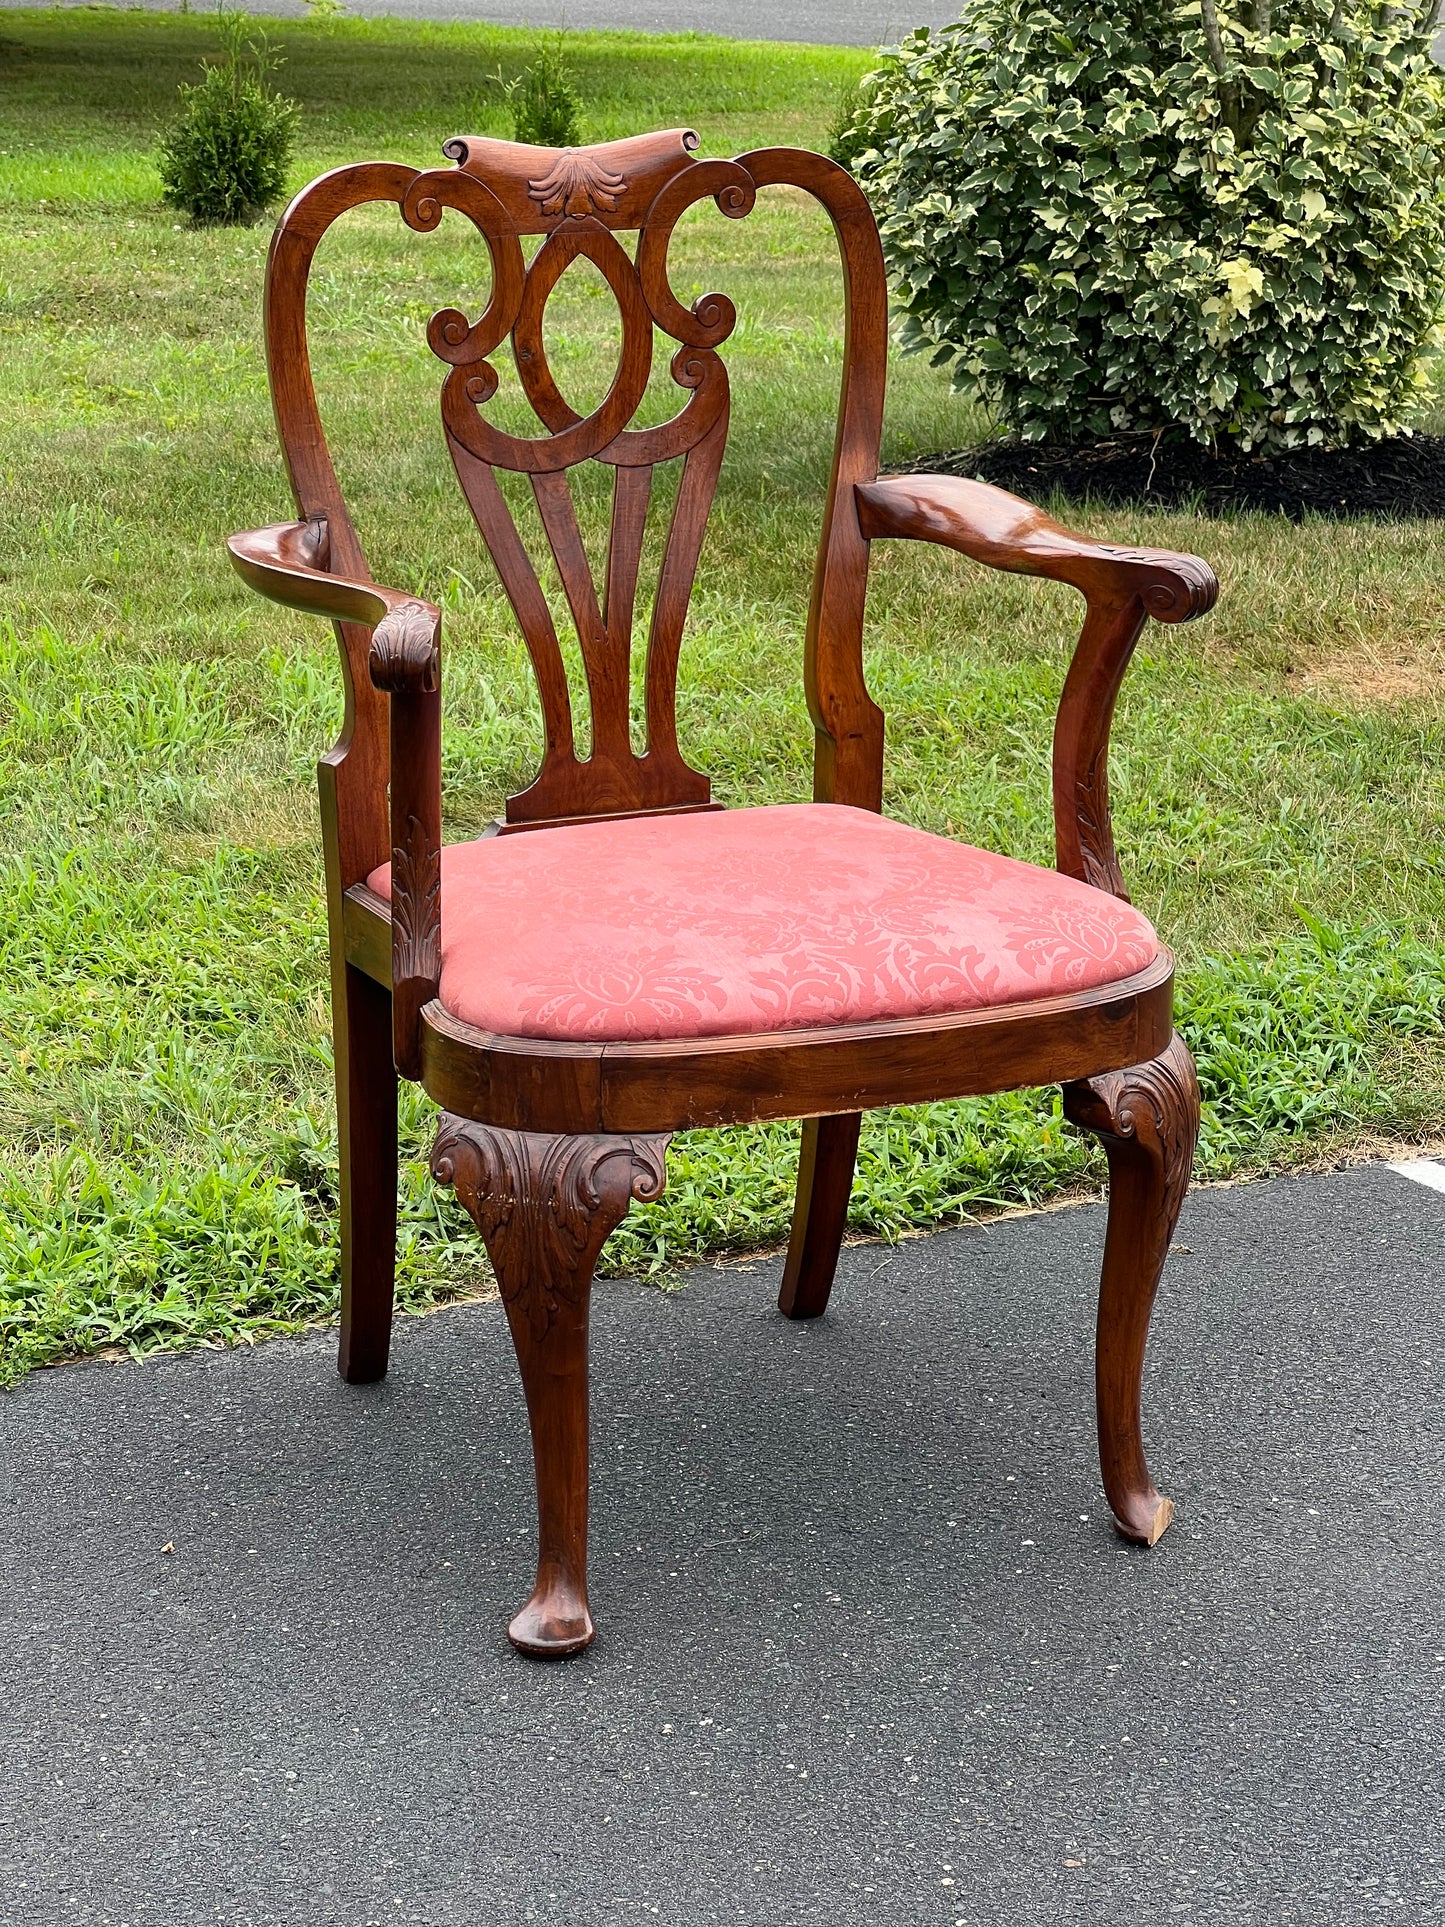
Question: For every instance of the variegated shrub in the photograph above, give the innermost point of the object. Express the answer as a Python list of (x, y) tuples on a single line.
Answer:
[(1221, 219)]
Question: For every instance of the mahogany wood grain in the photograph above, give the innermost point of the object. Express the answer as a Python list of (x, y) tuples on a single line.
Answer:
[(614, 184), (547, 1141), (820, 1217), (1148, 1119), (366, 932), (1121, 589), (287, 565), (366, 1111), (538, 1085), (358, 762), (544, 1207), (406, 662), (367, 1160), (847, 723)]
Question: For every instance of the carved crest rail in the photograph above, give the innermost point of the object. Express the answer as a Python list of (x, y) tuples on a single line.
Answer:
[(577, 201)]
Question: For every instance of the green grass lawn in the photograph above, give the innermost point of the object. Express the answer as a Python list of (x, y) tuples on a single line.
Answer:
[(166, 1142)]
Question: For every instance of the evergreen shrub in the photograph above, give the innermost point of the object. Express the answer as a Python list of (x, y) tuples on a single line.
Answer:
[(225, 158), (1223, 218), (545, 102)]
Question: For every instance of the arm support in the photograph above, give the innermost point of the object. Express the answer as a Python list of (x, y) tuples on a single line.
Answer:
[(288, 564), (1121, 588)]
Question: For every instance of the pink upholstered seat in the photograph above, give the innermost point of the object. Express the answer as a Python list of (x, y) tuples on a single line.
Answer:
[(754, 920)]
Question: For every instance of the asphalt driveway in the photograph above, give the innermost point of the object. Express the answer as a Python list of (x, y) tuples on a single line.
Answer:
[(869, 1650), (846, 23)]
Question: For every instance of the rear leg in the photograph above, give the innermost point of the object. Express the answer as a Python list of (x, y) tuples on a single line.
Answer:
[(366, 1136), (820, 1213)]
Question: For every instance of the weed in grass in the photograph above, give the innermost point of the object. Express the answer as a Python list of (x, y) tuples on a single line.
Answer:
[(167, 1155)]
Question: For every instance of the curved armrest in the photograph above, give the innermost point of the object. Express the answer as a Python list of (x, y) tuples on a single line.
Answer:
[(1001, 531), (1122, 589), (287, 563)]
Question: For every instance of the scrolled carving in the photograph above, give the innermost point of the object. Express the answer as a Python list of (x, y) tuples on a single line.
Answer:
[(704, 373), (448, 330), (405, 657), (573, 438), (422, 207), (576, 198), (576, 192), (716, 317), (450, 336), (544, 1205), (1186, 590), (712, 317), (1154, 1106), (1179, 587), (691, 367), (416, 906)]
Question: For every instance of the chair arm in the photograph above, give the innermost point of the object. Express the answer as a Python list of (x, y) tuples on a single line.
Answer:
[(998, 529), (287, 563), (1121, 588)]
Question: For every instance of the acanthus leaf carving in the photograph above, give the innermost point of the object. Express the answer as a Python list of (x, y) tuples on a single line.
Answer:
[(416, 906), (1096, 836), (405, 658), (1155, 1106), (544, 1205)]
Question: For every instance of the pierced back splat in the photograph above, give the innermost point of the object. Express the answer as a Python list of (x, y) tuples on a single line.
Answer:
[(576, 199)]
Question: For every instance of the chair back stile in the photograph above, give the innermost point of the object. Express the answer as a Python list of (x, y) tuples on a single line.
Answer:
[(577, 200)]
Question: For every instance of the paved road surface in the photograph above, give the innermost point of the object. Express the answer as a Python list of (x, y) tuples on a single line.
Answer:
[(870, 1652), (843, 23)]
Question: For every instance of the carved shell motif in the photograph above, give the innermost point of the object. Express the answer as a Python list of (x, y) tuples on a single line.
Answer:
[(578, 184), (544, 1205)]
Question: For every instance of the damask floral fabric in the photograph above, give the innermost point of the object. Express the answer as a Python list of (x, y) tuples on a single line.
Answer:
[(753, 920)]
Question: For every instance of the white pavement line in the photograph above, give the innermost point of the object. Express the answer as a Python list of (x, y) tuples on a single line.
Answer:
[(1427, 1171)]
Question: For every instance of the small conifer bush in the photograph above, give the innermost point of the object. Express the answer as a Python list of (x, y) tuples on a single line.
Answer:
[(225, 158), (1219, 218), (545, 102)]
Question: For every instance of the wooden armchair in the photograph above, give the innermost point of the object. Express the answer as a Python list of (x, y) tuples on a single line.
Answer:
[(624, 958)]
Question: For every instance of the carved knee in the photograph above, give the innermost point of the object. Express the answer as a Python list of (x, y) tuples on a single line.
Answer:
[(544, 1206)]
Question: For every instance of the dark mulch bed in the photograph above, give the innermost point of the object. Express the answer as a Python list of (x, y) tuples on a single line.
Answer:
[(1404, 477)]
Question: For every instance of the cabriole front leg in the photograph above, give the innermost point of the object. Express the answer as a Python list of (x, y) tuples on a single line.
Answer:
[(545, 1206), (1148, 1119)]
